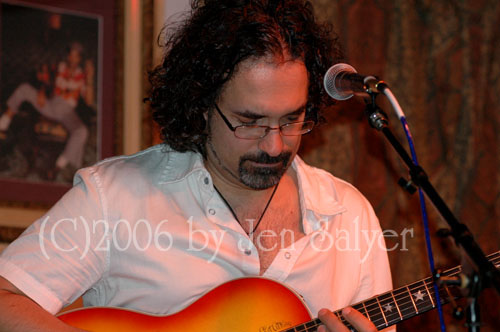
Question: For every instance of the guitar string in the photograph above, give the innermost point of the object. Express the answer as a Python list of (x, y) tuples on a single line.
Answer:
[(382, 324), (422, 307), (376, 309), (405, 306), (404, 302), (376, 322), (309, 326), (390, 322), (494, 258), (428, 282)]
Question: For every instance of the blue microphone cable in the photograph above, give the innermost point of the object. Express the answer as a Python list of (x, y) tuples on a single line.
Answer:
[(397, 108)]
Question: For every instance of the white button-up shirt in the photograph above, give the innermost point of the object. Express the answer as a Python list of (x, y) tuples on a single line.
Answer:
[(149, 232)]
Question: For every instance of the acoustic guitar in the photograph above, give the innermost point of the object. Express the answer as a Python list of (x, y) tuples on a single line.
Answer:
[(261, 305)]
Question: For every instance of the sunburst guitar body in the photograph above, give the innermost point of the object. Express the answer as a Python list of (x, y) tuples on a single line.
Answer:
[(263, 305), (248, 304)]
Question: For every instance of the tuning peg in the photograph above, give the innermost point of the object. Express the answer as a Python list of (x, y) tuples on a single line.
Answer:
[(458, 313), (407, 185)]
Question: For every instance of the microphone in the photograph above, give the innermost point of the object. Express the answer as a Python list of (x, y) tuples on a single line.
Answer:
[(342, 81)]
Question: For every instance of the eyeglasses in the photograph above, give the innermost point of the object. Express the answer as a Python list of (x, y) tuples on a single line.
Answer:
[(256, 131)]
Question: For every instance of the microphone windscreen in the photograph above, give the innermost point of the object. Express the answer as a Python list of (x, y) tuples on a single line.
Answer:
[(332, 79)]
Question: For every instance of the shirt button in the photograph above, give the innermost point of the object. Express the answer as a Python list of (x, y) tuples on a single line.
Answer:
[(206, 180), (211, 211), (288, 255)]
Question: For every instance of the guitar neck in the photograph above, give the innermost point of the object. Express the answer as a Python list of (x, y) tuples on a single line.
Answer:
[(400, 304)]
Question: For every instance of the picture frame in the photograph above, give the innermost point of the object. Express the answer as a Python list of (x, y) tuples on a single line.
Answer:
[(41, 44)]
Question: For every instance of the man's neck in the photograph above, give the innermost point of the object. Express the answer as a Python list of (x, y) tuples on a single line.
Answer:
[(235, 192), (238, 194)]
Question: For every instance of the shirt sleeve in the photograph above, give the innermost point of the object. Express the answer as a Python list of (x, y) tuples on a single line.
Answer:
[(375, 275), (62, 254), (375, 271)]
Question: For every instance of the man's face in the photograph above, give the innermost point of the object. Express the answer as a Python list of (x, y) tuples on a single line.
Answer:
[(74, 58), (260, 93)]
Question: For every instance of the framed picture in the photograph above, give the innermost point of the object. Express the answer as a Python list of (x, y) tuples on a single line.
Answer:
[(56, 94)]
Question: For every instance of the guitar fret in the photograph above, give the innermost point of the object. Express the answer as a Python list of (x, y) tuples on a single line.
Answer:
[(408, 301), (411, 298), (342, 319), (306, 326), (382, 311), (428, 293), (375, 312), (420, 296), (389, 306), (312, 325), (366, 312), (402, 299), (317, 322), (397, 306), (294, 329)]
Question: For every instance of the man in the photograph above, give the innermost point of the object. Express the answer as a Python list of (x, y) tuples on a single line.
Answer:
[(225, 197), (72, 82)]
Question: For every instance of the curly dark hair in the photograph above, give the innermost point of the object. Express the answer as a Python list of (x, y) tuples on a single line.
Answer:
[(202, 54)]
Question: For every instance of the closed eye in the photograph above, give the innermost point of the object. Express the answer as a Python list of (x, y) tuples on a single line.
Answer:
[(292, 119), (249, 118), (247, 122)]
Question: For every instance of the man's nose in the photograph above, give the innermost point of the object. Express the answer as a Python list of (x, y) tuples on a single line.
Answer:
[(272, 143)]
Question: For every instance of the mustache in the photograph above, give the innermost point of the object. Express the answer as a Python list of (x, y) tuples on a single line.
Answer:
[(264, 158)]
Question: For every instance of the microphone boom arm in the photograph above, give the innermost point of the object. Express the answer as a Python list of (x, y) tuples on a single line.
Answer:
[(461, 234)]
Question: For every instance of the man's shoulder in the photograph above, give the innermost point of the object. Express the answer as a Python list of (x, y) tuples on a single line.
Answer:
[(320, 185), (158, 163), (143, 159)]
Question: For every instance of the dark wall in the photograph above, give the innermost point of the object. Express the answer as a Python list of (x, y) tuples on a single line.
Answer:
[(442, 61)]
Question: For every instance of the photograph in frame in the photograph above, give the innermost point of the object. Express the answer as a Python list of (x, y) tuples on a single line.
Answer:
[(48, 93), (55, 99)]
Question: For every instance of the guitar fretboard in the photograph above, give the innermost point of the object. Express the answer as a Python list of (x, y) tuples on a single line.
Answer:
[(400, 304)]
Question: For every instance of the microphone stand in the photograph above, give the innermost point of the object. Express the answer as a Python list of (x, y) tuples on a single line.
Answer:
[(487, 275)]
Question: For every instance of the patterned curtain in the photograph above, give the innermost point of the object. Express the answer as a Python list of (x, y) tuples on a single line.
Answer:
[(442, 62)]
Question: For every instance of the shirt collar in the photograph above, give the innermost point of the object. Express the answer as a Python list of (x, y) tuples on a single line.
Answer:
[(317, 191), (179, 165), (316, 194)]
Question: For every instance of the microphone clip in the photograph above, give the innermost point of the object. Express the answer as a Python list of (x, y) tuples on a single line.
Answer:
[(377, 118)]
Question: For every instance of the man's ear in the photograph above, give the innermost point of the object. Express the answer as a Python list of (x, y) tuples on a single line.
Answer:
[(206, 116)]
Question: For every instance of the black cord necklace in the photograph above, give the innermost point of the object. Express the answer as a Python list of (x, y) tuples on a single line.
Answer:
[(234, 214)]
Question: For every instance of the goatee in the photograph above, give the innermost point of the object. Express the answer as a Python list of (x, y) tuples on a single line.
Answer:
[(263, 177)]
